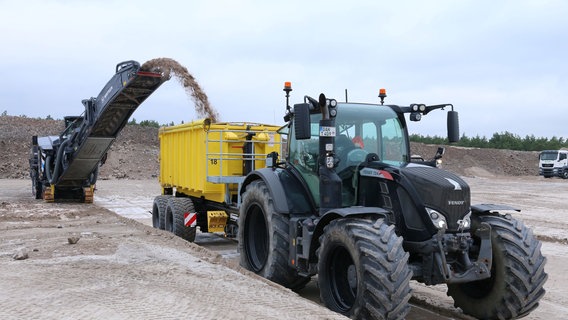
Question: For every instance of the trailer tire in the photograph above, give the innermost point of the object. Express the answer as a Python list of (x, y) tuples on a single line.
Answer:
[(175, 218), (363, 270), (517, 273), (159, 211), (263, 238)]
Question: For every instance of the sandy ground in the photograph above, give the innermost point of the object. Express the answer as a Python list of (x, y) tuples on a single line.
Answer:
[(121, 268)]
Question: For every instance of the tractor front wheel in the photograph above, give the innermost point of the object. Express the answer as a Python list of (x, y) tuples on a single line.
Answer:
[(363, 270), (517, 273)]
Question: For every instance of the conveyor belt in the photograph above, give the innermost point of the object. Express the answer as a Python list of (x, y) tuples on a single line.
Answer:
[(109, 113)]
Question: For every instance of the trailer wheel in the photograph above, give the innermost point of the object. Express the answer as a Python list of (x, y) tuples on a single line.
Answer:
[(263, 238), (517, 274), (363, 270), (175, 218), (159, 211)]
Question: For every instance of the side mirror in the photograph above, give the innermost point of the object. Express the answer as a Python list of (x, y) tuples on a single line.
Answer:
[(439, 153), (453, 127), (302, 127)]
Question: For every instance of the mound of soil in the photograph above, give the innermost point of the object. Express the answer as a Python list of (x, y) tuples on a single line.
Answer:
[(485, 162), (135, 153)]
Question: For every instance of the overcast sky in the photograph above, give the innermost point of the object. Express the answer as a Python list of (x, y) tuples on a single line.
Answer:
[(502, 64)]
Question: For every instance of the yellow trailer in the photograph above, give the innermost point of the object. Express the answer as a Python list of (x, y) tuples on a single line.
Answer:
[(202, 166)]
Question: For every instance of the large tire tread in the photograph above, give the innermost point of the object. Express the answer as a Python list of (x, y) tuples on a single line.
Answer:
[(517, 274), (276, 267), (384, 274), (175, 220), (159, 211), (35, 167), (37, 188)]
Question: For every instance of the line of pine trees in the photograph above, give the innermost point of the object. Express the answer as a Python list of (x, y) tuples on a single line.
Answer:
[(143, 123), (503, 140), (146, 123)]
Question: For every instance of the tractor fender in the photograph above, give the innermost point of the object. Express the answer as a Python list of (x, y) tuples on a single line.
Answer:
[(274, 185), (483, 209), (348, 212)]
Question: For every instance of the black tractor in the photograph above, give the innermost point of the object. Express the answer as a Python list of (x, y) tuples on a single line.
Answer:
[(350, 205)]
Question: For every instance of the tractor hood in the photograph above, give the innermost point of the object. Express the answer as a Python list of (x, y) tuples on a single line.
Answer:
[(440, 190)]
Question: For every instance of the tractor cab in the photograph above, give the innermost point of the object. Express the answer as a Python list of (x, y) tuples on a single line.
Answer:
[(361, 131)]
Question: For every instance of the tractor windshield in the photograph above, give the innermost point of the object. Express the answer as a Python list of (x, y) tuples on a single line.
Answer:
[(372, 128), (360, 129)]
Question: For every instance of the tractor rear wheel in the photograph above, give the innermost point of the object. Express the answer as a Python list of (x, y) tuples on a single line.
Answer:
[(517, 273), (175, 218), (264, 238), (159, 211), (363, 270)]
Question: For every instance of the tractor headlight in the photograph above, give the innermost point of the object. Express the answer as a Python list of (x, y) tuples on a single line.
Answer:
[(418, 107), (465, 223), (438, 163), (437, 218), (415, 116)]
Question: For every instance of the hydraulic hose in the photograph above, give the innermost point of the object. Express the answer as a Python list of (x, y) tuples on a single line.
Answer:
[(56, 172), (48, 168), (94, 175)]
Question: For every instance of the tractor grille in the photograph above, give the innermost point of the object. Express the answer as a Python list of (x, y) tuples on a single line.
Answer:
[(442, 191)]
